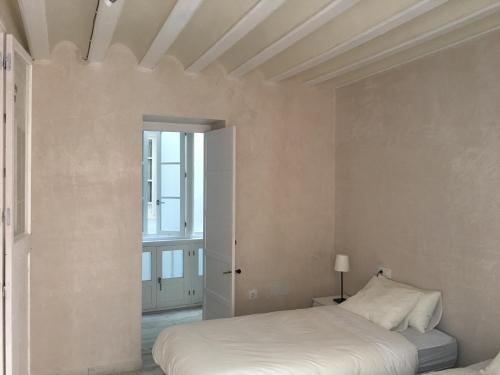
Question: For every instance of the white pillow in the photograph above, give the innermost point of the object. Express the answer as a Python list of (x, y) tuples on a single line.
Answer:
[(494, 367), (383, 303), (427, 313)]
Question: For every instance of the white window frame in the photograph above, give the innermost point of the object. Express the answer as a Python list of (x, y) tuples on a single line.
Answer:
[(151, 206), (181, 233), (190, 187), (187, 190)]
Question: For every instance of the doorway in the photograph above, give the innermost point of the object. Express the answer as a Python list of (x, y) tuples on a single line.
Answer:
[(172, 251), (188, 211)]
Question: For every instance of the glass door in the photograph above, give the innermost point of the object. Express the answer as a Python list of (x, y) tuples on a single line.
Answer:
[(172, 277)]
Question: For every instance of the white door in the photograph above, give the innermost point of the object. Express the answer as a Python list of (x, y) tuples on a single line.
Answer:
[(219, 247), (172, 277), (17, 212)]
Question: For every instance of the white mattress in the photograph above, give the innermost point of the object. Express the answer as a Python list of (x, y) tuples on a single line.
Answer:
[(436, 350), (320, 341)]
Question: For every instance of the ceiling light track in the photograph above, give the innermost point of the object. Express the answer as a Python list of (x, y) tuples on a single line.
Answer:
[(92, 31)]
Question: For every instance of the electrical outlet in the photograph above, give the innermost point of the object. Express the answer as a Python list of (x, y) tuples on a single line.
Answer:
[(253, 294), (387, 272)]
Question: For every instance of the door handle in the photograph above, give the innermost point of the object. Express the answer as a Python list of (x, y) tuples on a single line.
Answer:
[(158, 202), (238, 271), (159, 282)]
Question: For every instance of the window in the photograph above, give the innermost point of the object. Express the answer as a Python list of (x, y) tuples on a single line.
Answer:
[(200, 262), (173, 167), (146, 265), (172, 264)]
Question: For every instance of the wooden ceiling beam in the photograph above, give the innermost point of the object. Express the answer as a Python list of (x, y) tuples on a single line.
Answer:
[(177, 20), (373, 32), (34, 17), (248, 22), (324, 16), (106, 20), (440, 31)]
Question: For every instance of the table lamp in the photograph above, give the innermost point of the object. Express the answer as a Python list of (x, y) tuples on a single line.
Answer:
[(341, 265)]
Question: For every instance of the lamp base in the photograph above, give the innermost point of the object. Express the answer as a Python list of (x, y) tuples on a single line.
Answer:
[(339, 300)]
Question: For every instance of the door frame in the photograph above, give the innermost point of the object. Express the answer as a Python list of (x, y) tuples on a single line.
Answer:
[(2, 142), (23, 240)]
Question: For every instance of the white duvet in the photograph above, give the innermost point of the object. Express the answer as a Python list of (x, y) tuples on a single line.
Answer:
[(320, 340)]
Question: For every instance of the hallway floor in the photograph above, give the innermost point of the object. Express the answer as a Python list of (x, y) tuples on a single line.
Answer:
[(153, 324)]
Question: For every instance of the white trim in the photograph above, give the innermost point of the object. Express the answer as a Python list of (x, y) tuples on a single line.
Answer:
[(17, 247), (3, 51), (176, 127), (477, 15), (432, 52), (104, 28), (373, 32), (170, 241), (34, 17), (178, 18), (248, 22), (325, 15)]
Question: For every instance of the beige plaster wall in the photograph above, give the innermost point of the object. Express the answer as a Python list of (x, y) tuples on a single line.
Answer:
[(417, 160), (86, 302)]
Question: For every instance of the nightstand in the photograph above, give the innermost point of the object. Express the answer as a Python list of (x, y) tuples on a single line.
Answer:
[(325, 301)]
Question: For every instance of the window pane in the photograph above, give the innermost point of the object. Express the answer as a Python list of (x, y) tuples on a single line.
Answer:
[(146, 266), (172, 264), (170, 147), (200, 262), (170, 215), (198, 182), (150, 148), (170, 180), (150, 192)]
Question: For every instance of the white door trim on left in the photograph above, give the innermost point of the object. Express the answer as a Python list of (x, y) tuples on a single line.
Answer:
[(17, 245)]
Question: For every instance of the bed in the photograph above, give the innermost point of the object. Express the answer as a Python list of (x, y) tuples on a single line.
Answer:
[(320, 340), (359, 337), (436, 349), (489, 367)]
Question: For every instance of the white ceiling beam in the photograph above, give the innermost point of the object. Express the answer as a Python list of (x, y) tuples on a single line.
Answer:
[(324, 16), (34, 17), (440, 31), (431, 52), (252, 19), (373, 32), (175, 23), (104, 28)]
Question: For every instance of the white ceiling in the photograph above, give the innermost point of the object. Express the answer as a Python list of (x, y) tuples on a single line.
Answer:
[(311, 41)]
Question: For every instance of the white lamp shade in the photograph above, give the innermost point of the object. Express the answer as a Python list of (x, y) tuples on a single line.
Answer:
[(342, 263)]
